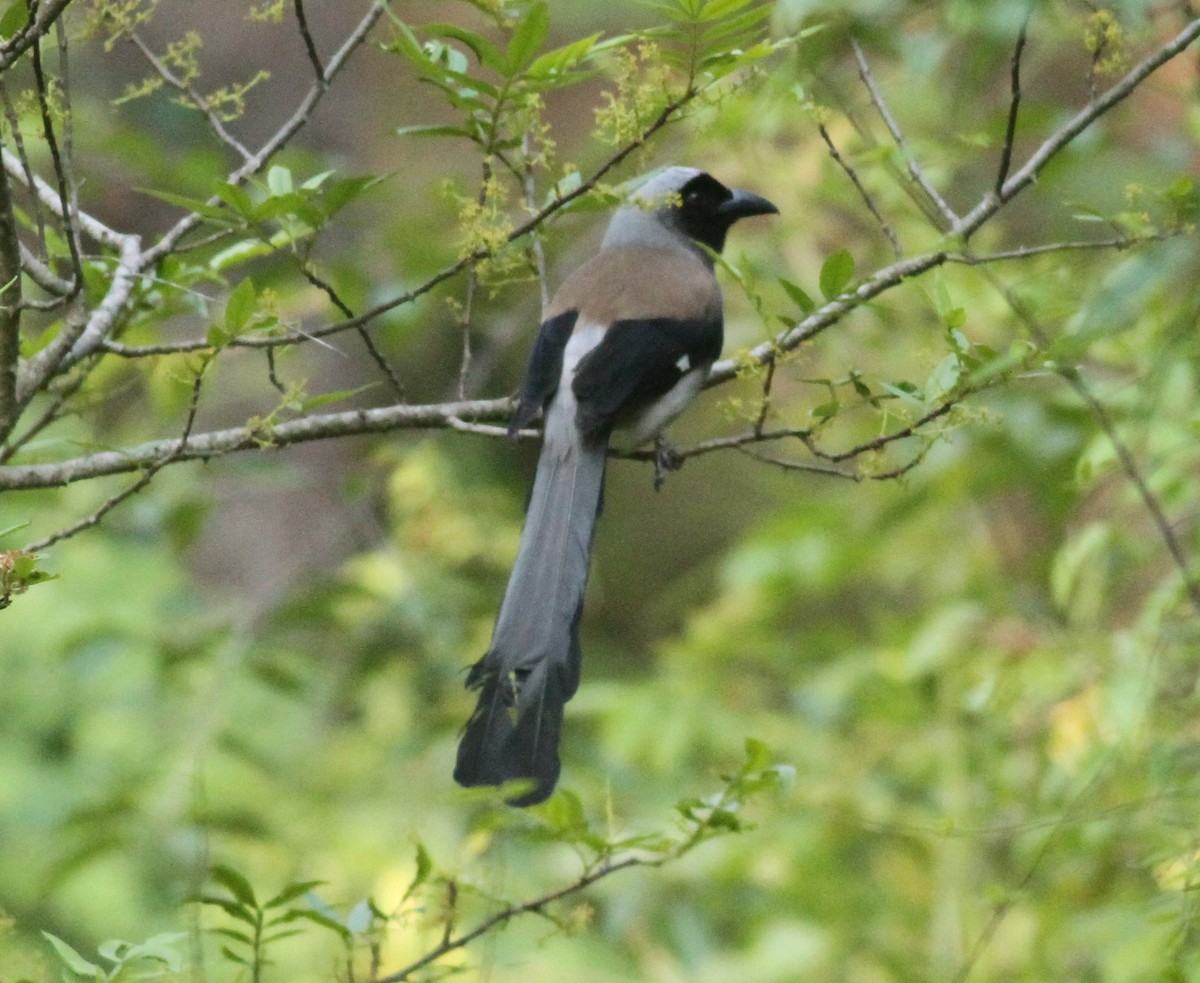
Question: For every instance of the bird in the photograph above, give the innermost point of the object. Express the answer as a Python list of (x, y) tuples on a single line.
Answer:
[(626, 342)]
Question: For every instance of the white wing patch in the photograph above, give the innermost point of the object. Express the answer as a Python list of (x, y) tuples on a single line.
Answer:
[(683, 363)]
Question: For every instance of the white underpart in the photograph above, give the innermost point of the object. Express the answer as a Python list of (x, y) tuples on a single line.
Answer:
[(654, 418), (635, 431), (560, 416)]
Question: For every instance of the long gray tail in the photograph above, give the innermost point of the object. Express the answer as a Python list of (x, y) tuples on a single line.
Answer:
[(532, 666)]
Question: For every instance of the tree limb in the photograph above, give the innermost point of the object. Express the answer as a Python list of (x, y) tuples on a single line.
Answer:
[(259, 436)]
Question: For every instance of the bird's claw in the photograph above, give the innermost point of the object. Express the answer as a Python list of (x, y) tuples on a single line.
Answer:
[(666, 459)]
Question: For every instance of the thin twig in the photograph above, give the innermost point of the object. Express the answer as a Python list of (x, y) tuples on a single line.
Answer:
[(65, 194), (45, 14), (1014, 105), (215, 443), (14, 125), (146, 477), (368, 342), (1104, 420), (1065, 134), (10, 309), (862, 191), (195, 98), (279, 139), (534, 222), (309, 44), (1134, 474), (50, 414), (509, 912), (914, 169)]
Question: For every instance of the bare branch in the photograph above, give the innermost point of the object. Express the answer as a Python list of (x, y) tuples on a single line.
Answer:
[(251, 437), (80, 337), (66, 194), (451, 942), (280, 138), (195, 98), (146, 477), (310, 45), (14, 125), (368, 342), (45, 14), (1050, 148), (914, 170), (10, 309), (1130, 466), (862, 191), (1014, 105), (1124, 455)]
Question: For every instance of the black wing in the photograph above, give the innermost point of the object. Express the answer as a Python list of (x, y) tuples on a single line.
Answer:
[(636, 362), (543, 369)]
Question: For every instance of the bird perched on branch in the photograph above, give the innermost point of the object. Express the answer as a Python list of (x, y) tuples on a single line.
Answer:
[(628, 340)]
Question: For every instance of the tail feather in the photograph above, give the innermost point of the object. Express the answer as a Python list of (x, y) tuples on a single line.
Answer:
[(532, 666)]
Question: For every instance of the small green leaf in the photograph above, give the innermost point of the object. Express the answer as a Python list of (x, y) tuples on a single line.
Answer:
[(716, 9), (291, 892), (240, 252), (431, 130), (758, 756), (237, 198), (836, 272), (324, 399), (528, 37), (557, 61), (317, 919), (239, 308), (424, 869), (237, 885), (72, 959), (944, 378), (798, 296), (14, 18), (279, 180), (485, 52)]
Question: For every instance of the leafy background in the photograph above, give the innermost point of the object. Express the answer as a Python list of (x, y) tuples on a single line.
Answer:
[(979, 677)]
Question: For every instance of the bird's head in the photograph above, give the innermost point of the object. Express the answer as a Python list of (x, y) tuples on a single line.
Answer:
[(687, 205)]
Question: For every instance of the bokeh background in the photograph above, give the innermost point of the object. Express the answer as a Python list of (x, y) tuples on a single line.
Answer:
[(982, 672)]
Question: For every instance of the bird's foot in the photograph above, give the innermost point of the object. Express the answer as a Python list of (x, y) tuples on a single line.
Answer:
[(666, 459)]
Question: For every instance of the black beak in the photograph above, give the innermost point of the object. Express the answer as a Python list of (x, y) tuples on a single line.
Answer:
[(743, 204)]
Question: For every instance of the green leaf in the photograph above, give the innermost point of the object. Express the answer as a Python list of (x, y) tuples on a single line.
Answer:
[(716, 9), (240, 252), (557, 61), (14, 18), (836, 272), (235, 883), (239, 308), (424, 869), (237, 198), (324, 399), (11, 529), (214, 213), (279, 180), (291, 892), (72, 959), (798, 296), (487, 54), (317, 918), (527, 39), (758, 756), (431, 130)]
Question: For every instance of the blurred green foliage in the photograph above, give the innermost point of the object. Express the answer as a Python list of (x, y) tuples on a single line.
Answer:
[(982, 675)]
